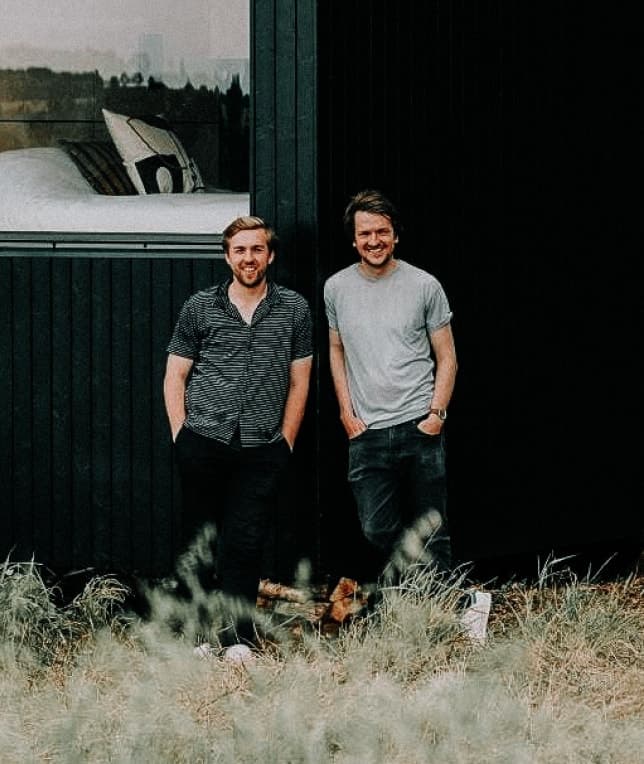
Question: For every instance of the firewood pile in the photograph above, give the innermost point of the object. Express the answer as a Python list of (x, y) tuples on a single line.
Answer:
[(323, 608)]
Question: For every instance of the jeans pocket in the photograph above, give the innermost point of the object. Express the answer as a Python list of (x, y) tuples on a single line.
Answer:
[(187, 444), (424, 434), (358, 436), (286, 445), (281, 451)]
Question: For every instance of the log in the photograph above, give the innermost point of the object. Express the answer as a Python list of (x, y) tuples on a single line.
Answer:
[(347, 600), (276, 591)]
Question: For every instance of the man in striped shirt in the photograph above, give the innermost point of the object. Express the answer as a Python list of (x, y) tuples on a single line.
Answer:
[(235, 389)]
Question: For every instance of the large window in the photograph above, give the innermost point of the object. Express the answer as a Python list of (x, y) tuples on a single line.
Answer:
[(183, 66)]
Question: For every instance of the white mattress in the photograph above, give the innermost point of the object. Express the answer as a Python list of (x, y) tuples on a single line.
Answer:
[(41, 189)]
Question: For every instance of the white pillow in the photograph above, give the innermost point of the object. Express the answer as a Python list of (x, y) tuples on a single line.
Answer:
[(153, 155)]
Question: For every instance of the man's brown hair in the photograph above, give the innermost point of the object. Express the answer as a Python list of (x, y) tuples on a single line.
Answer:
[(250, 223), (375, 202)]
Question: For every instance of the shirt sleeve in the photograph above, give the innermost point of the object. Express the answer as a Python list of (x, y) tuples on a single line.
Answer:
[(303, 332), (185, 338), (438, 312), (329, 306)]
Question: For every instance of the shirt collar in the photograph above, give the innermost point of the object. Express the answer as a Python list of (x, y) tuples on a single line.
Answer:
[(222, 301)]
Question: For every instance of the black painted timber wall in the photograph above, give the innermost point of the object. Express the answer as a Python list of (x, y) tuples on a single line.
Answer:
[(510, 136), (86, 473), (284, 189)]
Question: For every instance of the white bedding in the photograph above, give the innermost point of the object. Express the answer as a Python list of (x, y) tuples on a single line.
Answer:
[(41, 189)]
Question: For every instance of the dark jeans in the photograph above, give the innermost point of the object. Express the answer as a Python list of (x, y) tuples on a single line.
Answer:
[(236, 489), (398, 479)]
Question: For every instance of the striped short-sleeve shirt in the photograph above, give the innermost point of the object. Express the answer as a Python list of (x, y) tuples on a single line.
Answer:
[(240, 376)]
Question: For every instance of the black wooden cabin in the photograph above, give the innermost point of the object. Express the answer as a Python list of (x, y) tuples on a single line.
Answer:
[(507, 134)]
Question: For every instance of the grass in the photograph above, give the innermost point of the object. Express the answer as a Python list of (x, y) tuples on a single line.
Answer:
[(559, 679)]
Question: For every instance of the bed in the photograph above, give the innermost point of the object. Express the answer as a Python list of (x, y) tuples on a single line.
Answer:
[(44, 195)]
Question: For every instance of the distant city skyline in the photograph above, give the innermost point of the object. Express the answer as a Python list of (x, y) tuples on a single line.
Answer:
[(184, 39)]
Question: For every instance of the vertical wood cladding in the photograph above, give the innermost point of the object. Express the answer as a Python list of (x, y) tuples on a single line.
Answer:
[(502, 131), (284, 165), (87, 471)]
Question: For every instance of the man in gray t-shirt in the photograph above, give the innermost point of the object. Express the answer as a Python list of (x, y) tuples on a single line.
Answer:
[(393, 364)]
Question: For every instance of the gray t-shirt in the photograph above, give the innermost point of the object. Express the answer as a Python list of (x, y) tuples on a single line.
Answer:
[(384, 324)]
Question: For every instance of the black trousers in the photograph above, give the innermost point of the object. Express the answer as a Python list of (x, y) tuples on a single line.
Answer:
[(235, 489)]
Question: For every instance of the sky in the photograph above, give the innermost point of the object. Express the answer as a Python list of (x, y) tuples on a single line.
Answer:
[(190, 28)]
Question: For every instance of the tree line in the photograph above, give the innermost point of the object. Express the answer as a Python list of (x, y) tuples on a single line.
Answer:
[(213, 125)]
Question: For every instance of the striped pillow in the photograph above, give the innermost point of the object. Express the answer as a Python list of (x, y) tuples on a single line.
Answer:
[(155, 158), (101, 165)]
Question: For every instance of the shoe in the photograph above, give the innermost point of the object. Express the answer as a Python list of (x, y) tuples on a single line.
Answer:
[(475, 614), (204, 650), (240, 654)]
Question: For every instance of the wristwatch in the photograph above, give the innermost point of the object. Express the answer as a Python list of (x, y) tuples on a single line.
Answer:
[(440, 413)]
